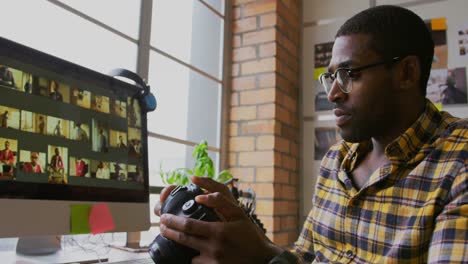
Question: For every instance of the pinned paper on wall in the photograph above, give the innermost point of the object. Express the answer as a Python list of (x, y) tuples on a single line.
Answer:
[(319, 71), (100, 219), (447, 86), (463, 40), (79, 218), (439, 23), (323, 54), (438, 29)]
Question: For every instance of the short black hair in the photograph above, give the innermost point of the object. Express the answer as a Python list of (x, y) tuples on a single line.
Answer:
[(395, 31)]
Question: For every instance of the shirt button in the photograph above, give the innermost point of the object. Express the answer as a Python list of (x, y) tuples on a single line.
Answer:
[(349, 253)]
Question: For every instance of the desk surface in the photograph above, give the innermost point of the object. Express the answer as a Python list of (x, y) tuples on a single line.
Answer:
[(73, 255)]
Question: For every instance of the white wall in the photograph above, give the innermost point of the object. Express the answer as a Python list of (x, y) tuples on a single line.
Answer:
[(321, 20)]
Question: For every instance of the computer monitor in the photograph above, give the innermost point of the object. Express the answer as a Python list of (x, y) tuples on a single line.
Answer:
[(68, 135)]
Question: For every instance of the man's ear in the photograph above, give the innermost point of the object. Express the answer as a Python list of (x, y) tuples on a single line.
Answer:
[(409, 73)]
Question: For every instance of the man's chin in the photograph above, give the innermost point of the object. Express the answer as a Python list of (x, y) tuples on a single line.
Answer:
[(351, 136)]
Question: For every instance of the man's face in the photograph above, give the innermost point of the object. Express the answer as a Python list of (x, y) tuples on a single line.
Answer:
[(34, 158), (365, 112), (7, 145)]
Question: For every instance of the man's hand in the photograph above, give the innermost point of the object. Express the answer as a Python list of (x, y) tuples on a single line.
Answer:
[(237, 240), (162, 197)]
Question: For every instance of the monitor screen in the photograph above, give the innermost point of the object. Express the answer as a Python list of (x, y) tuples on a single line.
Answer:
[(68, 135)]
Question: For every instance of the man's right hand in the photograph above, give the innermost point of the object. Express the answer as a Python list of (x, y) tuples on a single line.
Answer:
[(203, 182), (162, 198), (234, 240)]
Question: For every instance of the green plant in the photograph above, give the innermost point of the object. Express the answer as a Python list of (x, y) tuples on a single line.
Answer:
[(203, 167)]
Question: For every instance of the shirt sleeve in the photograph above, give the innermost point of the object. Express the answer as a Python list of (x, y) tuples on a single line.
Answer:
[(449, 242), (303, 248)]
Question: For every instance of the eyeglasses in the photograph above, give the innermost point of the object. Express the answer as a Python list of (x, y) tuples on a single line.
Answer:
[(34, 157), (344, 76)]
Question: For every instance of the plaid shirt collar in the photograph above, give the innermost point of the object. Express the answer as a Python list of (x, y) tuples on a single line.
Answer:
[(403, 149)]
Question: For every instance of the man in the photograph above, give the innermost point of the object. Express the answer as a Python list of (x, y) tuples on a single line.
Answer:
[(134, 148), (41, 125), (58, 129), (80, 167), (395, 190), (28, 84), (80, 133), (102, 141), (7, 159), (55, 92), (6, 77), (103, 171), (33, 166), (56, 162), (121, 143), (4, 119)]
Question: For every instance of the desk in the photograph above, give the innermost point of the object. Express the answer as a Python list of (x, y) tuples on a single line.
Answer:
[(73, 255)]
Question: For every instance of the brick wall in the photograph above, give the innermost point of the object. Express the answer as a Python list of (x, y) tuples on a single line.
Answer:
[(264, 119)]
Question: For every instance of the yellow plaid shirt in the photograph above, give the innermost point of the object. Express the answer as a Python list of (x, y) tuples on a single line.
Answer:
[(413, 210)]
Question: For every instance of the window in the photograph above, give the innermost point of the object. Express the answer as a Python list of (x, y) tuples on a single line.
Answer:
[(185, 44), (186, 74)]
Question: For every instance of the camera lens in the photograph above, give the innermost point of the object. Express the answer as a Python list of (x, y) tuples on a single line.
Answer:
[(165, 251)]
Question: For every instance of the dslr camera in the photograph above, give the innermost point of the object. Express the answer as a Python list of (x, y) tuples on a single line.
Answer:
[(180, 202)]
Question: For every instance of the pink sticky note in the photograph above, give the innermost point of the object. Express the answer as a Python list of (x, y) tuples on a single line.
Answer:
[(100, 219)]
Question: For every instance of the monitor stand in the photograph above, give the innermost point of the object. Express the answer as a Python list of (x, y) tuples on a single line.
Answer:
[(38, 245), (133, 243)]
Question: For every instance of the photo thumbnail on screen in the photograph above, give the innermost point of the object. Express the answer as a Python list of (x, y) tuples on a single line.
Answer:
[(80, 167), (135, 173), (11, 78), (58, 127), (81, 98), (8, 157), (118, 171), (133, 112), (57, 167), (100, 170), (32, 161), (134, 142), (33, 122), (59, 91), (100, 140), (119, 108), (100, 103), (79, 131), (118, 139), (9, 117)]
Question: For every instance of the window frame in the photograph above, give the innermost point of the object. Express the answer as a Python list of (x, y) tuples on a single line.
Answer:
[(144, 48)]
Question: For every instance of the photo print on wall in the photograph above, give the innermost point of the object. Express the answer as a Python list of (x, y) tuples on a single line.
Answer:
[(323, 54), (325, 137)]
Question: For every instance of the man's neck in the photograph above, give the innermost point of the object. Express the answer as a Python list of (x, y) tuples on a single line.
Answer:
[(406, 120)]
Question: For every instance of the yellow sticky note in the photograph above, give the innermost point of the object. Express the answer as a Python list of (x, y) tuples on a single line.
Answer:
[(79, 218), (319, 71), (439, 23), (438, 106)]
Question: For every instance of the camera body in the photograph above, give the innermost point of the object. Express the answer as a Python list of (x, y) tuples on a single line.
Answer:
[(181, 202)]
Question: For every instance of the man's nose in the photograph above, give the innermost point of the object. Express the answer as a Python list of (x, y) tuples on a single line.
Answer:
[(336, 94)]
